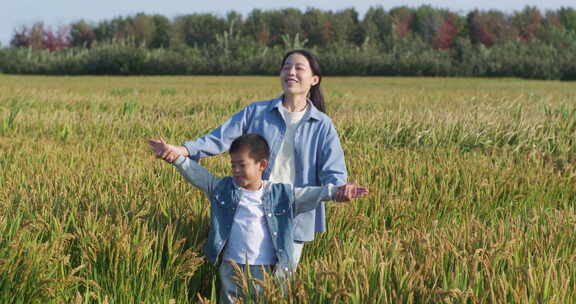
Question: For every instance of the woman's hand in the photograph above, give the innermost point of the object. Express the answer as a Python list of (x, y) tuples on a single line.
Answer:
[(350, 191), (165, 151)]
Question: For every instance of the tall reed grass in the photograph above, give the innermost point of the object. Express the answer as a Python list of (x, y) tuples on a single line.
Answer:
[(472, 191)]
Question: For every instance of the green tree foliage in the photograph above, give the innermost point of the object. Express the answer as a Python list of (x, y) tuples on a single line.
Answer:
[(346, 27), (198, 29), (141, 28), (81, 34), (567, 18), (377, 25), (401, 41), (162, 30), (318, 28), (111, 30), (427, 22), (256, 27), (436, 27), (290, 24), (403, 19), (490, 27), (269, 26), (528, 22)]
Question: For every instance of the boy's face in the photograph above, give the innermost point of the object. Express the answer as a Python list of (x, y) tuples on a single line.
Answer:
[(246, 171)]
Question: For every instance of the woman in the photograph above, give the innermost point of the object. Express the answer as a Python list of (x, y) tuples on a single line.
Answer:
[(304, 145)]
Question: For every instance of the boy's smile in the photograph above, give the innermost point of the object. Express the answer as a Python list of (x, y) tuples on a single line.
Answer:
[(246, 171)]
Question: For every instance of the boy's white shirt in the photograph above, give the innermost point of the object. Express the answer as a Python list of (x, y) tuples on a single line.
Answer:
[(250, 241), (305, 199)]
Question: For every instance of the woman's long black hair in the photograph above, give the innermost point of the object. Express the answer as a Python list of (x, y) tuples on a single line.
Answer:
[(315, 93)]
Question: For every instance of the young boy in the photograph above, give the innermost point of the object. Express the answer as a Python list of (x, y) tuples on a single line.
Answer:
[(251, 219)]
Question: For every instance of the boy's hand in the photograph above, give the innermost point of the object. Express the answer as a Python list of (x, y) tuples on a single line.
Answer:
[(350, 191), (165, 151)]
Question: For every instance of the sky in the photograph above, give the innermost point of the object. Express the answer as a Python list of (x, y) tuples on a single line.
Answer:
[(15, 13)]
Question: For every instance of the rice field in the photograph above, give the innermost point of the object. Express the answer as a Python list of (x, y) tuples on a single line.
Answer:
[(472, 191)]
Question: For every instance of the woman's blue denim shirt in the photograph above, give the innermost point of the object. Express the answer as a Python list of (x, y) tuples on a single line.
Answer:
[(319, 157), (281, 203)]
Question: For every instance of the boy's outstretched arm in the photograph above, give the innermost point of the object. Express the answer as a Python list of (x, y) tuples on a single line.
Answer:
[(193, 172), (308, 198)]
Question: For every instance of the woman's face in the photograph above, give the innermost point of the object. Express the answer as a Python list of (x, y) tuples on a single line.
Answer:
[(296, 75)]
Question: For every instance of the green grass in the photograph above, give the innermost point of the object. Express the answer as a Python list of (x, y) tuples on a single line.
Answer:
[(472, 191)]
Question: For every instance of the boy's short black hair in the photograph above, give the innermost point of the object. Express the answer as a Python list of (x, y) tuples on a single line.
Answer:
[(258, 146)]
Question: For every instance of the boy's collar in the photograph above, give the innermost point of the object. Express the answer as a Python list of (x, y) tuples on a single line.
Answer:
[(263, 185)]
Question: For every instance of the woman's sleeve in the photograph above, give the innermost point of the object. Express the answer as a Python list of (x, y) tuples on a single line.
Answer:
[(219, 140), (331, 163)]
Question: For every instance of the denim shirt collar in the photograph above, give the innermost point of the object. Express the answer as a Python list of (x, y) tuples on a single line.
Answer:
[(265, 186), (311, 113)]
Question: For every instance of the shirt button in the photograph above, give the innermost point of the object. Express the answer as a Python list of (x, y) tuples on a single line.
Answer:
[(221, 203), (269, 214), (275, 234)]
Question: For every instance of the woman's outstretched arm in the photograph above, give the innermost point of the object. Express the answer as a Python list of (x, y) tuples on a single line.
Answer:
[(219, 140), (216, 142)]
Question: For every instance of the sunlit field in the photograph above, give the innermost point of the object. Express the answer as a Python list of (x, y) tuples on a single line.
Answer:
[(472, 191)]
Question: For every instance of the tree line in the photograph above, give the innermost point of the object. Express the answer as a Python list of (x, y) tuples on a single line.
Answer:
[(400, 41)]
